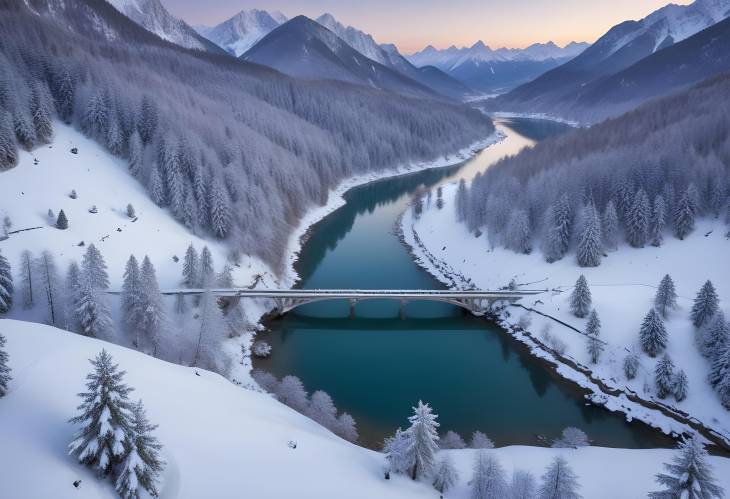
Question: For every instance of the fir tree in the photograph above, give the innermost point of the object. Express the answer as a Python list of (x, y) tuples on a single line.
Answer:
[(653, 334), (523, 485), (156, 188), (631, 366), (716, 336), (190, 267), (4, 368), (41, 112), (26, 278), (50, 287), (666, 296), (610, 228), (559, 230), (132, 297), (681, 386), (664, 377), (689, 475), (488, 480), (8, 150), (637, 221), (424, 437), (580, 299), (142, 464), (658, 221), (92, 312), (685, 214), (93, 267), (346, 427), (62, 221), (590, 248), (6, 285), (322, 410), (103, 418), (65, 96), (72, 286), (705, 305), (720, 369), (519, 238), (595, 348), (593, 328), (445, 476), (571, 438), (291, 392), (152, 319), (452, 440), (206, 271), (136, 151), (396, 449), (220, 216), (24, 131), (559, 481)]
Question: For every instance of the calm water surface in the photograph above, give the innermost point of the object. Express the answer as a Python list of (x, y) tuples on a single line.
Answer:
[(376, 366)]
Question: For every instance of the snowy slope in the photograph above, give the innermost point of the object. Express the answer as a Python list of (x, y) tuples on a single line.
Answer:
[(623, 289), (154, 17), (242, 31), (29, 190), (224, 441)]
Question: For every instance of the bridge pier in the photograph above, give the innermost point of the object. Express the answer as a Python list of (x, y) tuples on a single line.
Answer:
[(402, 309), (353, 303)]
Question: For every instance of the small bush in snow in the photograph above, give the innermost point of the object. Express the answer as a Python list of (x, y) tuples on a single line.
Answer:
[(681, 385), (631, 365), (266, 380), (73, 194), (571, 438), (51, 215), (261, 349), (93, 209), (480, 441), (130, 211), (525, 321), (452, 440)]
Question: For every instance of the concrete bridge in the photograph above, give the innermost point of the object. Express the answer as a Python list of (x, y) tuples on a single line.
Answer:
[(477, 302)]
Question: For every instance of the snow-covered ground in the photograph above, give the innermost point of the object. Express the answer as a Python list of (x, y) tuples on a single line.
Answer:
[(622, 287), (224, 441)]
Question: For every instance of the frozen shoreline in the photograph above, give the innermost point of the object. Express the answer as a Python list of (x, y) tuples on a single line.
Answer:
[(605, 389)]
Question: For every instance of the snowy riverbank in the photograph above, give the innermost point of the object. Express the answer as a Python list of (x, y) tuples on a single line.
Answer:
[(623, 288)]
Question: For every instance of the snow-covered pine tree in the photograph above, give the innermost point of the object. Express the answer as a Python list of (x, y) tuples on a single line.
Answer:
[(580, 298), (637, 221), (346, 427), (131, 297), (396, 449), (93, 267), (685, 214), (191, 269), (8, 150), (653, 334), (24, 131), (173, 178), (103, 417), (423, 433), (6, 285), (50, 287), (114, 136), (664, 377), (594, 347), (523, 485), (92, 311), (689, 475), (723, 386), (593, 328), (610, 227), (571, 438), (590, 243), (206, 270), (322, 410), (716, 336), (292, 393), (155, 186), (705, 305), (480, 441), (559, 481), (211, 335), (445, 476), (142, 464), (666, 296), (488, 479), (72, 285), (41, 110), (152, 308), (147, 119), (62, 221), (65, 96), (4, 368), (681, 386), (136, 151), (452, 440), (462, 201), (519, 237), (220, 210), (631, 365), (720, 368), (26, 278), (658, 221), (559, 231)]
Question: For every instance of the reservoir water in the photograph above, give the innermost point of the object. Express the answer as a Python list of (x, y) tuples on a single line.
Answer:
[(376, 366)]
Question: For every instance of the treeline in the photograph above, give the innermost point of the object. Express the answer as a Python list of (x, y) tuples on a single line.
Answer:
[(232, 149), (640, 177)]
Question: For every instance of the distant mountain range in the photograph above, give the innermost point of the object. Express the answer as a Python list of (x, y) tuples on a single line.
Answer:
[(242, 31), (154, 17), (574, 88), (488, 70)]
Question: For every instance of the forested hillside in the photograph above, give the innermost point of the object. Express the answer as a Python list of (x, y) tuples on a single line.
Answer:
[(642, 176), (232, 149)]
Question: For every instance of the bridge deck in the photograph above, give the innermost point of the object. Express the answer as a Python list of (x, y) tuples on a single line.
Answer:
[(356, 293)]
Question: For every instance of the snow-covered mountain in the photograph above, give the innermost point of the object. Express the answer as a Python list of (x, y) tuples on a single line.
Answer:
[(242, 31), (154, 17), (452, 57), (621, 47)]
